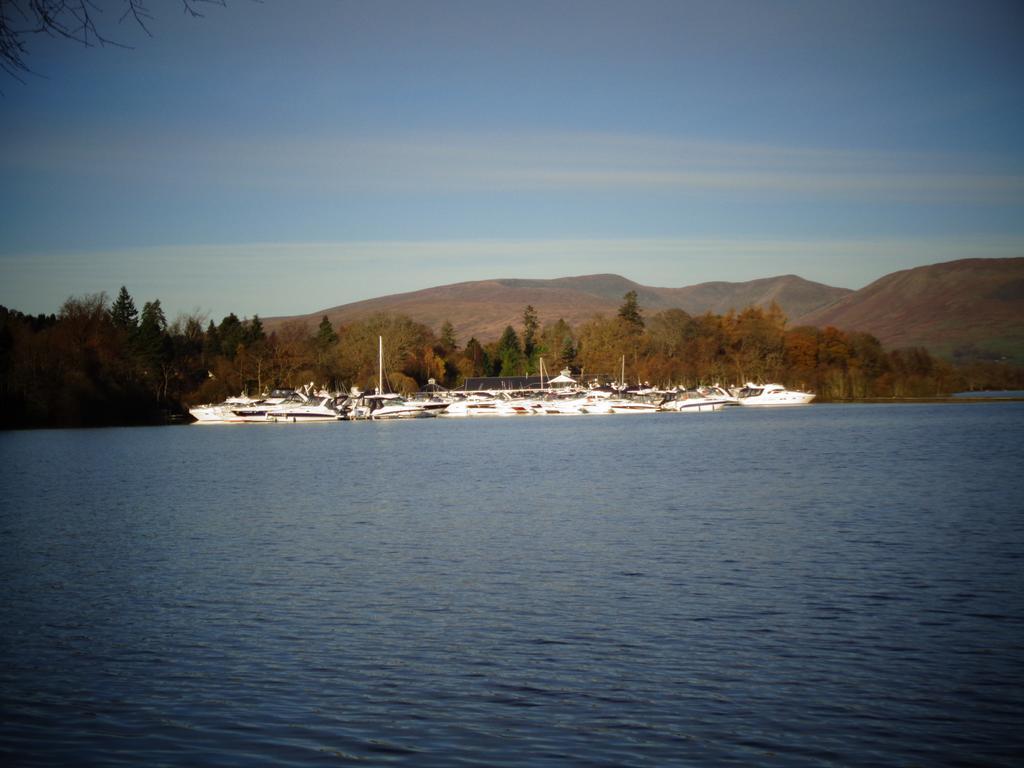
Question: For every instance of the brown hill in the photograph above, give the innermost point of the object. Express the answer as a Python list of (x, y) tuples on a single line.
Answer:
[(484, 308), (972, 306), (793, 294)]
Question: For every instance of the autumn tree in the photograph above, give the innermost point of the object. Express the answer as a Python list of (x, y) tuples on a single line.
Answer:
[(833, 358), (73, 371), (800, 356), (187, 342), (475, 361), (866, 363), (756, 343), (911, 368), (666, 347), (602, 343), (289, 361), (404, 342)]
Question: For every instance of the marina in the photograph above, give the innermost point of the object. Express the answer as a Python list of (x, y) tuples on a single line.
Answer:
[(293, 406), (494, 397)]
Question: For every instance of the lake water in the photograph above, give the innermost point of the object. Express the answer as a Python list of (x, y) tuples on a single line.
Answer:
[(832, 585), (992, 393)]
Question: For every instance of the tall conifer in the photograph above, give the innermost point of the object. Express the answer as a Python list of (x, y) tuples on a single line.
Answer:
[(123, 313)]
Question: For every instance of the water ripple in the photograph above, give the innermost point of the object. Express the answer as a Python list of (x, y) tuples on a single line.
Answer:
[(827, 601)]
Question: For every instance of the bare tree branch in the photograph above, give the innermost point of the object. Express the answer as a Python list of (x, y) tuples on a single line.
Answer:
[(74, 20)]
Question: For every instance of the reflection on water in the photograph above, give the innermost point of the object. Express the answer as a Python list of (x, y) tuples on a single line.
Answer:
[(836, 584)]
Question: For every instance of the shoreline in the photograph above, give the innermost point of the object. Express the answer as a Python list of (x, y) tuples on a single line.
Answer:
[(936, 399), (184, 420)]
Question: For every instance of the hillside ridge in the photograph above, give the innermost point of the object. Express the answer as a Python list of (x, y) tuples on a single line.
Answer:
[(964, 308), (968, 307), (483, 308)]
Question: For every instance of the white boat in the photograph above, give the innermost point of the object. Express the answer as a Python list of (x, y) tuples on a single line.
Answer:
[(489, 404), (242, 409), (631, 406), (390, 406), (634, 401), (598, 400), (693, 401), (563, 404), (523, 406), (719, 393), (772, 395), (431, 403), (274, 406), (219, 413), (598, 406), (311, 409)]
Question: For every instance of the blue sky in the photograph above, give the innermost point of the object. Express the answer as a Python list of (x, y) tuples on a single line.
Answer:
[(284, 157)]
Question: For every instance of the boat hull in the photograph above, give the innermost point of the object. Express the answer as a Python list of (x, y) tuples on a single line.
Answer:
[(694, 406), (778, 400)]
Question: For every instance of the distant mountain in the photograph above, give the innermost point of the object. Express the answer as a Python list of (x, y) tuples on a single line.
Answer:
[(974, 307), (793, 294), (484, 308)]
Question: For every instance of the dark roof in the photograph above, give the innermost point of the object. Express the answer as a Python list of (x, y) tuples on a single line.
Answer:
[(479, 383)]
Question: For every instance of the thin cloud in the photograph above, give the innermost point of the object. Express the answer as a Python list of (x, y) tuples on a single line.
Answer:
[(576, 163)]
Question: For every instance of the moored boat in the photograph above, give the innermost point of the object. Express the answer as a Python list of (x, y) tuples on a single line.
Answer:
[(489, 404), (304, 411), (391, 406), (772, 395), (693, 401), (219, 413), (243, 409)]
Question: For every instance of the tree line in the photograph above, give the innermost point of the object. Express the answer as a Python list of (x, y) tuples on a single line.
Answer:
[(99, 362)]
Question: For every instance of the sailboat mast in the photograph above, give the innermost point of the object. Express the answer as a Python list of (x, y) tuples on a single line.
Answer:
[(380, 365)]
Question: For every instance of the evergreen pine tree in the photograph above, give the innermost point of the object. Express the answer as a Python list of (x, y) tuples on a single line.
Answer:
[(530, 324), (153, 346), (153, 316), (510, 354), (211, 342), (123, 313), (254, 330), (567, 356), (231, 333), (630, 312), (325, 335), (448, 336)]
